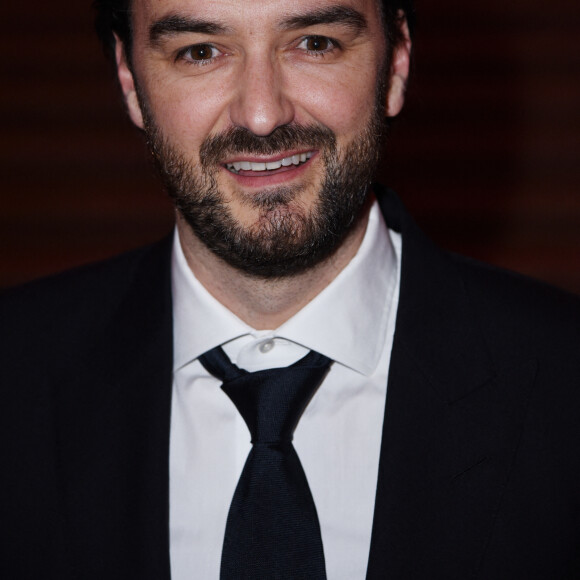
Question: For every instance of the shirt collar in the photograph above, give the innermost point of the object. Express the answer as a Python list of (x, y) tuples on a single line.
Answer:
[(347, 321), (200, 322)]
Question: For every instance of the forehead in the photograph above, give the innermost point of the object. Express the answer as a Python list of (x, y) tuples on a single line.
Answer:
[(248, 16)]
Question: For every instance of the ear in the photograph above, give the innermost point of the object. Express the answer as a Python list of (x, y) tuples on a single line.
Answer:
[(127, 82), (399, 73)]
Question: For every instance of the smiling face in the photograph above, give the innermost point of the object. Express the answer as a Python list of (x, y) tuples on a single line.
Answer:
[(264, 119)]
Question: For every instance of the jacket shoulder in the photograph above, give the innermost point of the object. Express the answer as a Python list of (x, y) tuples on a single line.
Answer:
[(53, 313), (520, 316)]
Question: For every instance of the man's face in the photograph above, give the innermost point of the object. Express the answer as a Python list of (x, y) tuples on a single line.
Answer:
[(264, 118)]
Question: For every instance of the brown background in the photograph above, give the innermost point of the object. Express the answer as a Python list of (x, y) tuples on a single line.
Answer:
[(486, 154)]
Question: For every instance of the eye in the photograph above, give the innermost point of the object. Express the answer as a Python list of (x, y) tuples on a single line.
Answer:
[(199, 53), (317, 44)]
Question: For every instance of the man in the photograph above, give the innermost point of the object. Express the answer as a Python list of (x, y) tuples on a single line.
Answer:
[(442, 442)]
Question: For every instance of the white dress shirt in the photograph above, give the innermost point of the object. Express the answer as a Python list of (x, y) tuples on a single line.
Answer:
[(338, 438)]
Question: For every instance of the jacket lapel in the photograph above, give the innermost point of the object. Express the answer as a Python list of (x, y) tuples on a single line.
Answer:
[(452, 423), (114, 417)]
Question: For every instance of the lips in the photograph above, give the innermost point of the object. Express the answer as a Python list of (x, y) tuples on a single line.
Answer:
[(252, 167)]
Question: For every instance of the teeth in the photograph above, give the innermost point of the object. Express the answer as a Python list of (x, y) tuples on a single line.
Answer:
[(270, 165)]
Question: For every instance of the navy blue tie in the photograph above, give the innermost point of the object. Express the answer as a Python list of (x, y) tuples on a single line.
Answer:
[(272, 531)]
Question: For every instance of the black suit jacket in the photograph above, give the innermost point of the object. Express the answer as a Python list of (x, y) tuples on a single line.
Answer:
[(480, 460)]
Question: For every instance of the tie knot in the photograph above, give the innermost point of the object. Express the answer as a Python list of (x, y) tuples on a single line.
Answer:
[(270, 401)]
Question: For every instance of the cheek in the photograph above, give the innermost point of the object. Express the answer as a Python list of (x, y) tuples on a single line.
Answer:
[(341, 102), (188, 114)]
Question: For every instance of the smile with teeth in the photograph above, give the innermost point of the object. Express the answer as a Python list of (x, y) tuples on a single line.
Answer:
[(297, 159)]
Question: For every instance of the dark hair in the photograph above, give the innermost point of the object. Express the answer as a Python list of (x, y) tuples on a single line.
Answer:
[(113, 17)]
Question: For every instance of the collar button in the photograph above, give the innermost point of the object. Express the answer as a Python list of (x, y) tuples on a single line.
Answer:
[(267, 346)]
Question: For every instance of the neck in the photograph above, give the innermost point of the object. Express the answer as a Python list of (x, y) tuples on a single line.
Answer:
[(266, 304)]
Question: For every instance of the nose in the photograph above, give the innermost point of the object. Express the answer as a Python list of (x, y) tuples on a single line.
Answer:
[(261, 104)]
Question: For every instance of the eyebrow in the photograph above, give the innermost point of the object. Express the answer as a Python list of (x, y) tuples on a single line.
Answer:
[(176, 24), (342, 15)]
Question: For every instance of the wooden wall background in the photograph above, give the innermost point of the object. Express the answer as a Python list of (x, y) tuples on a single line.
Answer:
[(486, 155)]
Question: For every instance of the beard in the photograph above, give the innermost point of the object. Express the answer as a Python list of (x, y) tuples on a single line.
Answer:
[(286, 238)]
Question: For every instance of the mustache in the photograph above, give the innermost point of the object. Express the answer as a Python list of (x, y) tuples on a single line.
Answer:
[(235, 140)]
